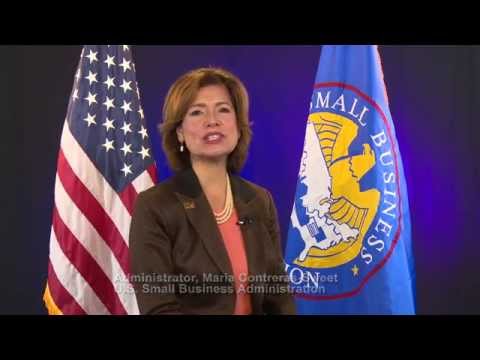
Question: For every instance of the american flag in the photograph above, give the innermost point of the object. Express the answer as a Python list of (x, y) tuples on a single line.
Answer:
[(104, 161)]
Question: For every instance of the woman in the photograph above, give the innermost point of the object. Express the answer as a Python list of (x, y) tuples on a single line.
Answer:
[(207, 241)]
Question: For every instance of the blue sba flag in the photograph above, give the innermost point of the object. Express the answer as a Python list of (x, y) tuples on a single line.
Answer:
[(349, 242)]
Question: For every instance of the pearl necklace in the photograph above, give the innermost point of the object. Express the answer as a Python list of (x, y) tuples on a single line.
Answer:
[(225, 214)]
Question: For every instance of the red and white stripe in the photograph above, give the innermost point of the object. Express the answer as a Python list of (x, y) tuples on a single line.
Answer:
[(88, 269)]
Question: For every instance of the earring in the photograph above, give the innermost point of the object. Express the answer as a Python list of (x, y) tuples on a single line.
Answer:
[(181, 147)]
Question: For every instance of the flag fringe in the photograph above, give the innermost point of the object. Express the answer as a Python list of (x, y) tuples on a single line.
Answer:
[(52, 308)]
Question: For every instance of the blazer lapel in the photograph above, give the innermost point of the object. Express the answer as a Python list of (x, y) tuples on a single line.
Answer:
[(248, 209), (199, 213)]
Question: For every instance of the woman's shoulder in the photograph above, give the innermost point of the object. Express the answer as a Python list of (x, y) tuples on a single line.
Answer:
[(252, 189), (160, 192), (252, 185)]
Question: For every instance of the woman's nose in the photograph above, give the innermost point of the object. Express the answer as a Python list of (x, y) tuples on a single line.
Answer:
[(212, 120)]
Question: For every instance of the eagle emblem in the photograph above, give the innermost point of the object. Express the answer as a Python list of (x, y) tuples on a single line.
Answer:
[(339, 213)]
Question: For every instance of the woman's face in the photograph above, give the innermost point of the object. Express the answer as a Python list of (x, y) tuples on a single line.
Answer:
[(209, 128)]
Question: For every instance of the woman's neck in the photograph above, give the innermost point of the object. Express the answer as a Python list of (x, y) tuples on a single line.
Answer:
[(213, 180)]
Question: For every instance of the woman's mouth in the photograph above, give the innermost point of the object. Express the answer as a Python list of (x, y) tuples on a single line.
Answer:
[(213, 138)]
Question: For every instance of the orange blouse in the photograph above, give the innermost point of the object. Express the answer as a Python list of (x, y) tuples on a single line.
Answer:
[(233, 240)]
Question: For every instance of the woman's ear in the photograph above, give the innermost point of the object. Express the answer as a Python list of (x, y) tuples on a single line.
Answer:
[(180, 134)]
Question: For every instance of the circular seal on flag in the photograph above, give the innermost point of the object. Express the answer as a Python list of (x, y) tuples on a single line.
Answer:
[(346, 217)]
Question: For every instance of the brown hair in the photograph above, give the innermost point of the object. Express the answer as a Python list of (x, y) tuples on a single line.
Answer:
[(179, 98)]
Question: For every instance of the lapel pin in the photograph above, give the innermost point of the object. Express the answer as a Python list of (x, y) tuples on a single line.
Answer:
[(189, 205)]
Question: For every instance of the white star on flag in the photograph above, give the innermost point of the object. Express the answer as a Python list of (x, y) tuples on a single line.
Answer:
[(126, 106), (91, 98), (144, 153), (126, 128), (126, 169), (109, 103), (108, 145), (92, 56), (126, 86), (125, 65), (108, 124), (126, 149), (109, 82), (92, 77), (143, 132), (90, 119), (109, 61)]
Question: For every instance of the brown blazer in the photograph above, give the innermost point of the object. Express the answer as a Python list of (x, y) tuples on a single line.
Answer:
[(173, 232)]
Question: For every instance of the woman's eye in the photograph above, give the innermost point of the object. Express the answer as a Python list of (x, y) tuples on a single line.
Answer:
[(225, 110), (195, 113)]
